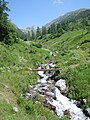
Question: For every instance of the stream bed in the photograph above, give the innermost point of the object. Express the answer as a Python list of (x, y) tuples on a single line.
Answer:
[(54, 93)]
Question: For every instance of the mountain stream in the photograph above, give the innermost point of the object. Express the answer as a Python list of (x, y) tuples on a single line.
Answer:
[(54, 93)]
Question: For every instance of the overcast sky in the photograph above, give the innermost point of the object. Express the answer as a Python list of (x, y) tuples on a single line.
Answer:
[(26, 13)]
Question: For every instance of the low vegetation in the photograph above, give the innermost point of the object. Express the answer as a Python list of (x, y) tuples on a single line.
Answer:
[(69, 48)]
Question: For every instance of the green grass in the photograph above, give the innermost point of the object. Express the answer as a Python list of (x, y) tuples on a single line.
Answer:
[(78, 80), (27, 110), (15, 75), (15, 78)]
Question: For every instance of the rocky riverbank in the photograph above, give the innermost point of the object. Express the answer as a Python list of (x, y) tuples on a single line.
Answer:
[(54, 94)]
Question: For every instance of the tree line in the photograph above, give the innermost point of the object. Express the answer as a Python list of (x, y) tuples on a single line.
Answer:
[(57, 29)]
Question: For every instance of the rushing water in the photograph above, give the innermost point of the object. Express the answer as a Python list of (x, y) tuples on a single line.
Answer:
[(53, 96)]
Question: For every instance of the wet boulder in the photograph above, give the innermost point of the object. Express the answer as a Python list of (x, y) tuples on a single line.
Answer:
[(61, 84), (87, 112), (50, 94)]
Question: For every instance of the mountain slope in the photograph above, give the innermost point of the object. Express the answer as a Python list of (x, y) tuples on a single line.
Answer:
[(21, 34), (70, 16)]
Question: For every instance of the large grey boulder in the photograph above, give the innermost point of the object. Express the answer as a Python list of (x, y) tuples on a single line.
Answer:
[(61, 84)]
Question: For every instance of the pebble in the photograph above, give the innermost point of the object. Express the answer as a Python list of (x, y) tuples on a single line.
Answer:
[(15, 109)]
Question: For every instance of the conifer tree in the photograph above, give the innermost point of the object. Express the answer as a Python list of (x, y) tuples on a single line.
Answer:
[(44, 31), (7, 31), (32, 34), (38, 32)]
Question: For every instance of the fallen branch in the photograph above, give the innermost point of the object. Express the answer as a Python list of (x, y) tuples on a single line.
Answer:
[(51, 69)]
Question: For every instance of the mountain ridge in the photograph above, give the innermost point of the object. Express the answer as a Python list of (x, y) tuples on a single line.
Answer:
[(63, 17), (72, 15)]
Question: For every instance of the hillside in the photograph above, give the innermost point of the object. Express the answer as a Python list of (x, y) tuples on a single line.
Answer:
[(71, 16), (70, 52), (16, 77)]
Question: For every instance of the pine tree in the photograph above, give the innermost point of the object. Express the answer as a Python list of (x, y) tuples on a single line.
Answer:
[(7, 31), (38, 32), (32, 34), (44, 31), (53, 29), (3, 9)]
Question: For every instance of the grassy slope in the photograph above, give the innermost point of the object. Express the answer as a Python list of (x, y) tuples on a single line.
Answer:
[(71, 57), (15, 74), (15, 77)]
